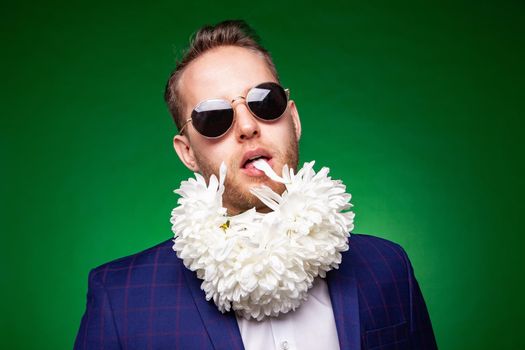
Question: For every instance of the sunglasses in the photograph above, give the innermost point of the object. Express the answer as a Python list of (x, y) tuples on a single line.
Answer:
[(213, 118)]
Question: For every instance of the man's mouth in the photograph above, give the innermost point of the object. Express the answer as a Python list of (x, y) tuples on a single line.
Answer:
[(249, 163), (251, 156)]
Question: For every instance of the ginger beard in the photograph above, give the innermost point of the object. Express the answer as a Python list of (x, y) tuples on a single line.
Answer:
[(237, 197)]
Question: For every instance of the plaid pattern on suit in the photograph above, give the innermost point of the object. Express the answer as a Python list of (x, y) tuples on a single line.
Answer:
[(151, 301)]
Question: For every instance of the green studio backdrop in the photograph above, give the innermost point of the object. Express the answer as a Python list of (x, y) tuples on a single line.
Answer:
[(414, 105)]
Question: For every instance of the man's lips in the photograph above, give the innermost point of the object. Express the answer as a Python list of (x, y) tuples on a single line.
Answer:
[(247, 166)]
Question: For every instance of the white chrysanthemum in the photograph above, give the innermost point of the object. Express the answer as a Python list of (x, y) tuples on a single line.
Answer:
[(263, 264)]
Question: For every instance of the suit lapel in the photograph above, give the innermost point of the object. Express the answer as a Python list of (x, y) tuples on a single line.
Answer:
[(222, 328), (343, 295), (224, 331)]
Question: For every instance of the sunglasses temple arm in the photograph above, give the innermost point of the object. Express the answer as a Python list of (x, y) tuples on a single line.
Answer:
[(184, 126)]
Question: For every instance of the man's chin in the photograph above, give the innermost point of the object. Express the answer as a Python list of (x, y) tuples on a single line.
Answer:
[(239, 199)]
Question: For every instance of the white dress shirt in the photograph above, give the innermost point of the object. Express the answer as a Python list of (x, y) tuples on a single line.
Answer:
[(311, 326)]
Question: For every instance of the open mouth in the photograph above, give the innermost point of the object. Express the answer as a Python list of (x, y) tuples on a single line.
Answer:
[(250, 157), (249, 162)]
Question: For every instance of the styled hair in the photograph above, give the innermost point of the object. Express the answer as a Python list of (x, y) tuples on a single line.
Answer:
[(227, 33)]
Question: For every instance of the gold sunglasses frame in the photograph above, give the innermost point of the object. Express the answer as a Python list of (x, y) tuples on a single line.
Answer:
[(243, 98)]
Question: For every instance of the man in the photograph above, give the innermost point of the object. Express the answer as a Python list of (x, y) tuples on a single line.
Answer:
[(229, 108)]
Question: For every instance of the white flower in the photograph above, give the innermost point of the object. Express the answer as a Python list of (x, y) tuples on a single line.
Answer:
[(263, 264)]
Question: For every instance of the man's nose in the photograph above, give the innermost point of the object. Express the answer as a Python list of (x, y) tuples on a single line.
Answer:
[(246, 125)]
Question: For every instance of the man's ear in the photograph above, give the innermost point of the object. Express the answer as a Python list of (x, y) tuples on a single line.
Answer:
[(296, 120), (183, 148)]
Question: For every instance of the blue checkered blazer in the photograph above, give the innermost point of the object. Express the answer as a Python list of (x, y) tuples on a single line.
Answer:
[(151, 301)]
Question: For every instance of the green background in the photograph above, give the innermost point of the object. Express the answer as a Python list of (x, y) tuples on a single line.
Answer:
[(415, 105)]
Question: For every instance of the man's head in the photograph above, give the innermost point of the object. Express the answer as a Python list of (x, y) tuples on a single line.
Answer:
[(225, 62)]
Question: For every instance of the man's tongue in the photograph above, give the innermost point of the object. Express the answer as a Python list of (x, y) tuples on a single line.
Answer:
[(262, 165), (250, 163)]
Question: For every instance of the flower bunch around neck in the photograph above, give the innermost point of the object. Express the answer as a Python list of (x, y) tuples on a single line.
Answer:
[(263, 264)]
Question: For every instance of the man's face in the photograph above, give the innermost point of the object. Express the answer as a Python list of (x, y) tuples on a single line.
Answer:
[(228, 72)]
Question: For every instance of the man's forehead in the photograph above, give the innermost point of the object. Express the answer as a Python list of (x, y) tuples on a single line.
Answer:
[(224, 72)]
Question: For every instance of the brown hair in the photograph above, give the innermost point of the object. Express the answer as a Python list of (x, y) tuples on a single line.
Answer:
[(226, 33)]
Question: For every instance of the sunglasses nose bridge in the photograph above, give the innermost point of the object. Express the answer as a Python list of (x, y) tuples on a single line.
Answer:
[(239, 99), (246, 125)]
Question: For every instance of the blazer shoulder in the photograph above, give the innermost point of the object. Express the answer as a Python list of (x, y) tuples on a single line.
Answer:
[(160, 256), (369, 242), (372, 251)]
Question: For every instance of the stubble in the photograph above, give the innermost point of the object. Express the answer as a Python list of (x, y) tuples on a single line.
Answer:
[(237, 197)]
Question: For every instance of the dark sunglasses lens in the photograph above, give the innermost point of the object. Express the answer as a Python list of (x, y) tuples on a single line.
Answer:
[(212, 118), (267, 101)]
